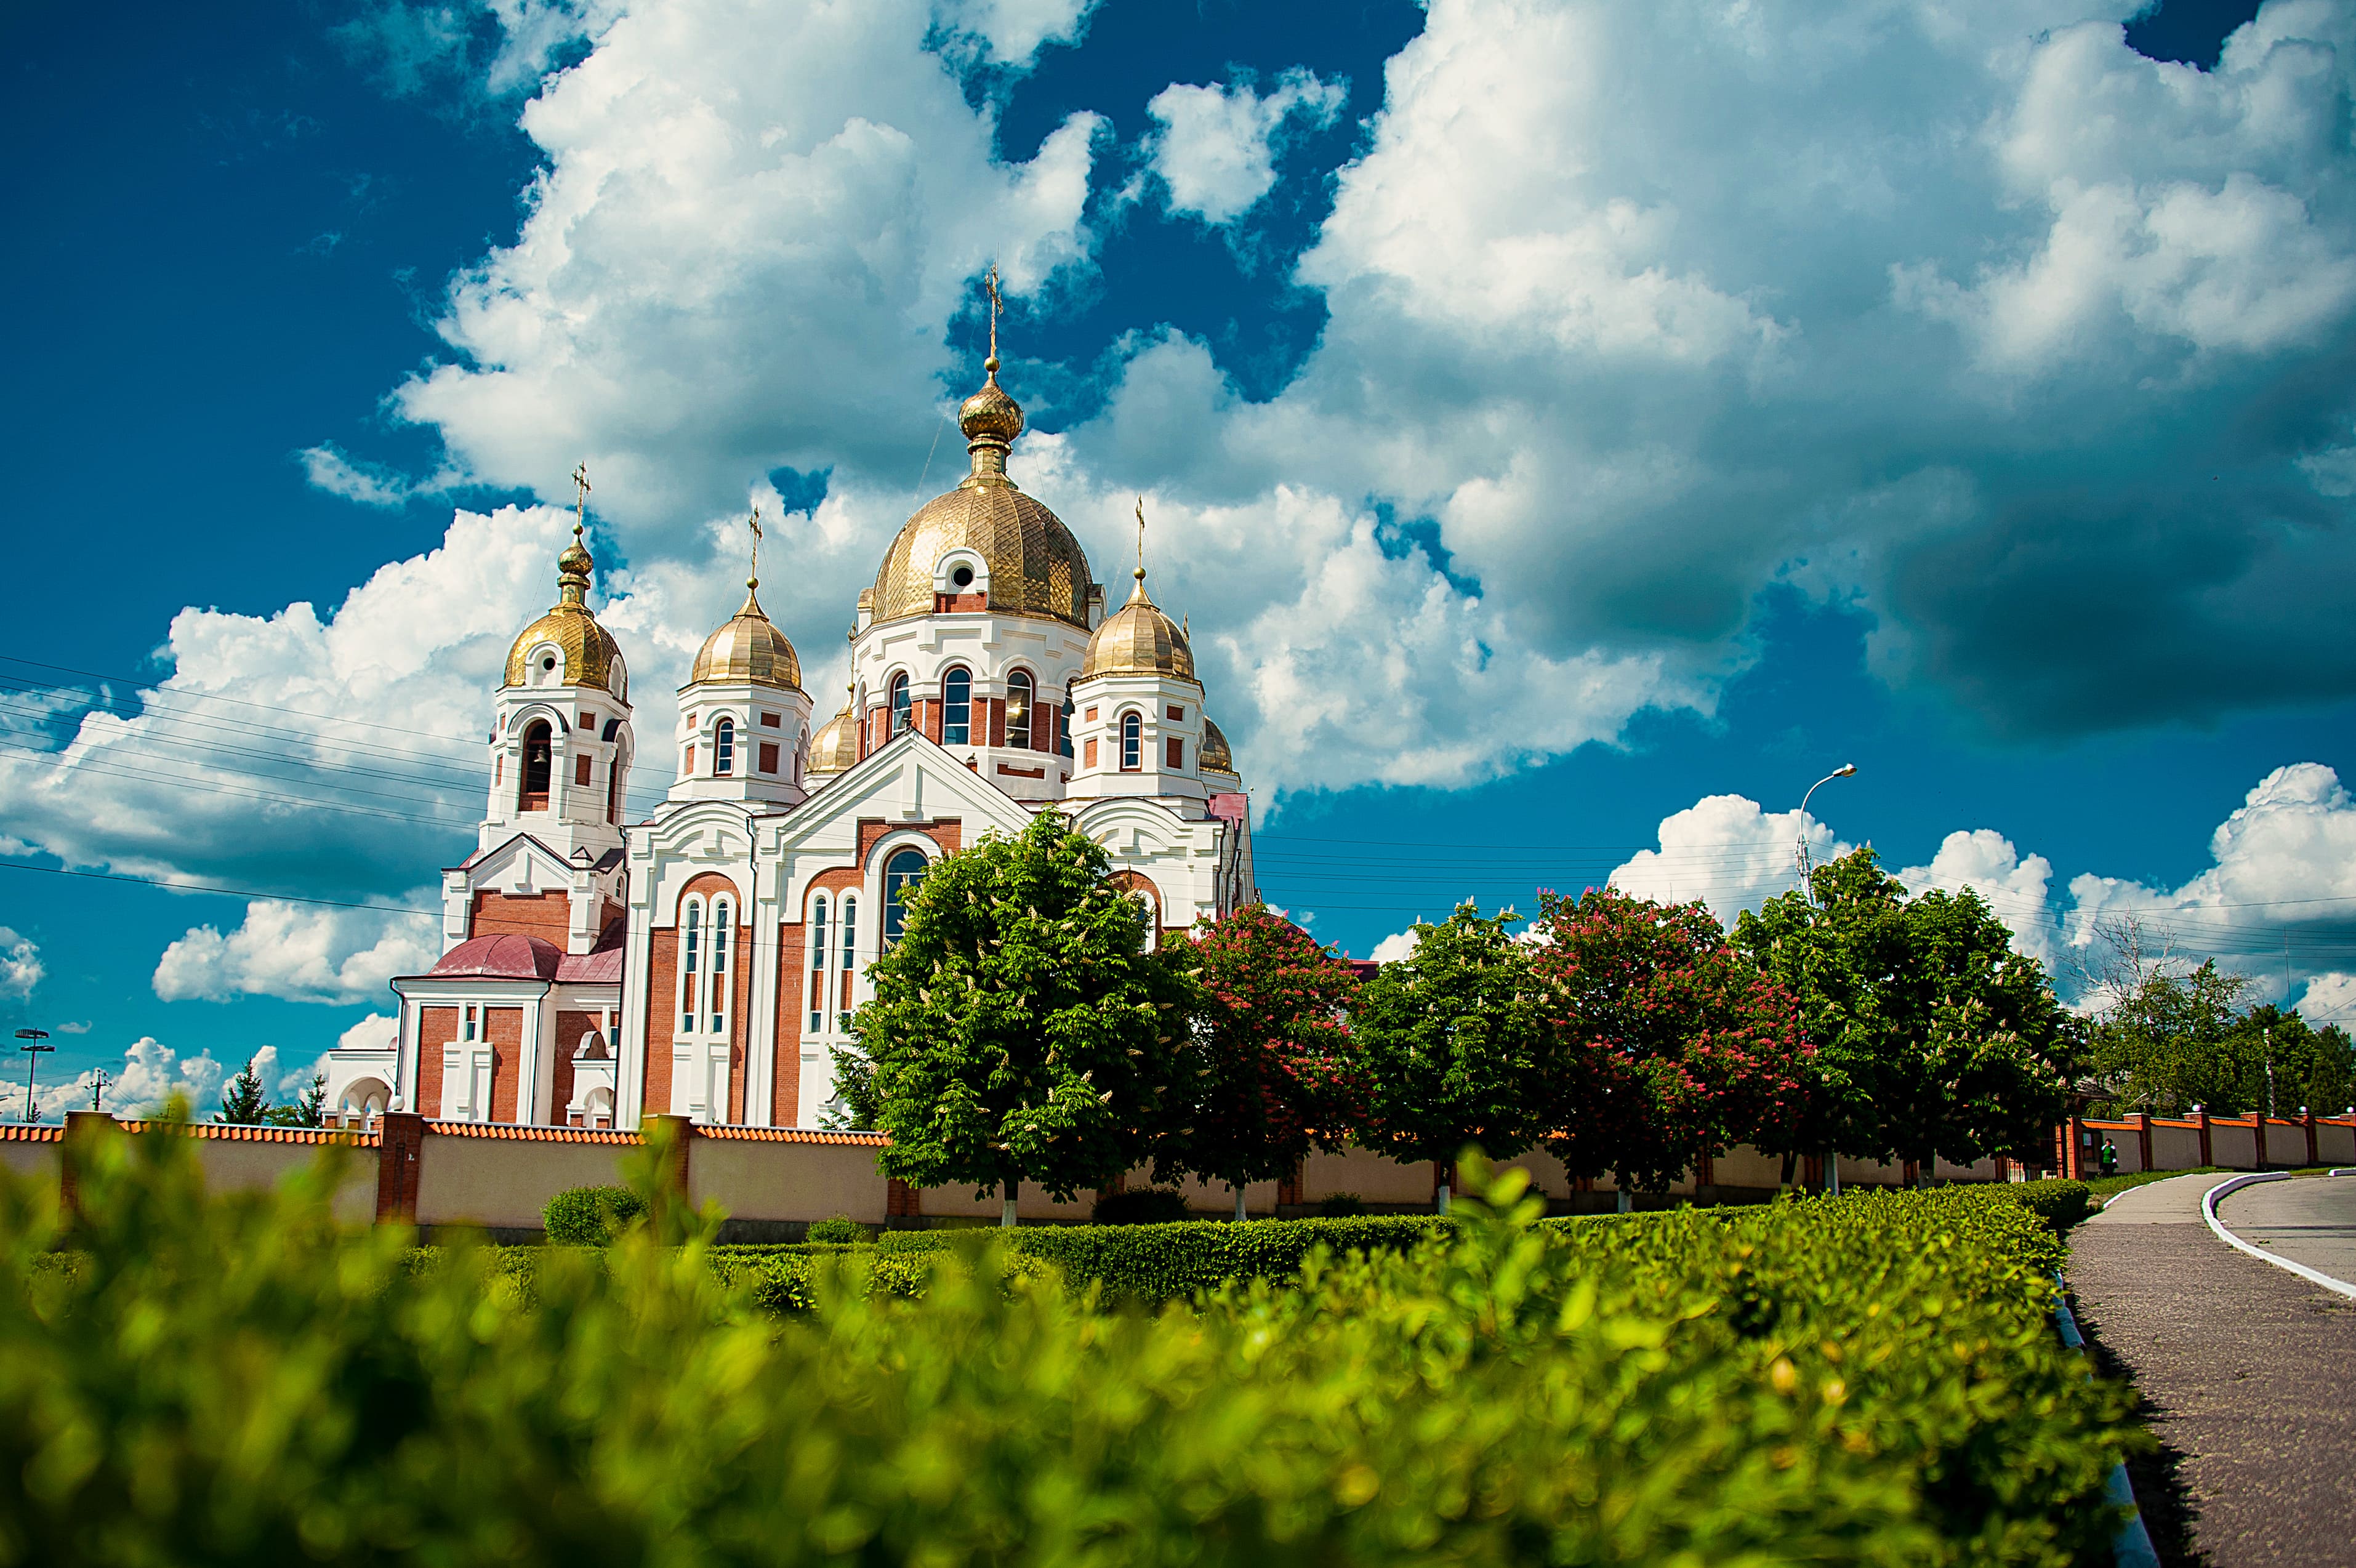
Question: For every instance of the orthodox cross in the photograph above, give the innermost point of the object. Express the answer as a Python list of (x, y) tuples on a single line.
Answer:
[(580, 496), (990, 282), (1141, 536), (753, 522)]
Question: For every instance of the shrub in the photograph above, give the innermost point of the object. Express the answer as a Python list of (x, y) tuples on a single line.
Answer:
[(590, 1216), (2060, 1204), (1141, 1206), (840, 1229), (234, 1379), (1342, 1205)]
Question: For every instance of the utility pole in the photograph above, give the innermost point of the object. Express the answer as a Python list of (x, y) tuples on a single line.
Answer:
[(32, 1048), (98, 1089), (1800, 851)]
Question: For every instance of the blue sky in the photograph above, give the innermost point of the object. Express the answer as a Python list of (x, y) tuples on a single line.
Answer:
[(1572, 430)]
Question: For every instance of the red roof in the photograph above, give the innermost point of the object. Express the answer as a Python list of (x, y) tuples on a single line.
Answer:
[(507, 956), (1230, 807), (601, 965)]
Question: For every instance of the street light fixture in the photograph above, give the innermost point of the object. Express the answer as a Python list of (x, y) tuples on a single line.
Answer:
[(1800, 854), (33, 1047)]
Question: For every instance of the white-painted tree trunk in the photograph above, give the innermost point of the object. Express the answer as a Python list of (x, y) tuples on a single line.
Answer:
[(1239, 1201), (1006, 1210), (1627, 1203), (1439, 1198), (1832, 1175)]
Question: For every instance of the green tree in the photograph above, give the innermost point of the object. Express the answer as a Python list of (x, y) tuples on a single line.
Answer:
[(310, 1111), (2168, 1038), (1455, 1039), (244, 1102), (1020, 1030), (1668, 1045), (1931, 1035), (1278, 1071)]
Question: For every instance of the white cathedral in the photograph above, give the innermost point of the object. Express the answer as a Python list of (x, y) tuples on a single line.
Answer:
[(702, 962)]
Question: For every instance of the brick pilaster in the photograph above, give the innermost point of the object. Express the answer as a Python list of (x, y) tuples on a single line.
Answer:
[(400, 1153)]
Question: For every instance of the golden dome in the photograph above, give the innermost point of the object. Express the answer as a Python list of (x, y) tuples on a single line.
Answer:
[(589, 651), (1138, 638), (834, 745), (1216, 757), (1033, 564), (748, 649)]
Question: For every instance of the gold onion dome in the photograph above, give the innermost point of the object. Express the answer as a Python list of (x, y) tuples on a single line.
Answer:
[(748, 649), (1139, 639), (589, 651), (1216, 757), (1035, 567), (834, 746)]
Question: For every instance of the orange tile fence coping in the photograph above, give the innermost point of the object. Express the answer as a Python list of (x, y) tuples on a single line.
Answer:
[(795, 1135), (32, 1132), (531, 1134), (246, 1132), (2250, 1120)]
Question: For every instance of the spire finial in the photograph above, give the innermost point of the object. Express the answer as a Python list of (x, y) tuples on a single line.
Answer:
[(1141, 539), (753, 522), (990, 282), (573, 566), (580, 497)]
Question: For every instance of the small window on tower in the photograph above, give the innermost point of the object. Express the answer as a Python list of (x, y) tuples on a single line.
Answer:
[(962, 578), (1177, 715), (1175, 753), (957, 706), (536, 760), (581, 771), (1091, 760), (724, 747), (1132, 743), (768, 721), (588, 721), (768, 756), (1017, 710), (900, 709)]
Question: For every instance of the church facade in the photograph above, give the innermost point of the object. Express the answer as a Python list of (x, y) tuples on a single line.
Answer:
[(705, 962)]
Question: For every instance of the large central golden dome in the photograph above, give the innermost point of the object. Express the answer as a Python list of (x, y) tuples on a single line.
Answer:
[(1034, 566)]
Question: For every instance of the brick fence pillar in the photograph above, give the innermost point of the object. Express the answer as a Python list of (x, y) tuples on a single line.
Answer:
[(81, 1127), (2201, 1115), (1287, 1191), (2259, 1120), (399, 1150), (2143, 1136), (2306, 1114), (674, 1171), (901, 1201), (2075, 1170)]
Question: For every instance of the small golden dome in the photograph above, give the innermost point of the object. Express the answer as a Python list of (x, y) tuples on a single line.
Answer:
[(834, 746), (1138, 638), (1034, 566), (748, 649), (588, 650), (1216, 757)]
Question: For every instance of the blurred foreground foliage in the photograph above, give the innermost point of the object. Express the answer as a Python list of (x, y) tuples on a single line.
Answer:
[(188, 1378)]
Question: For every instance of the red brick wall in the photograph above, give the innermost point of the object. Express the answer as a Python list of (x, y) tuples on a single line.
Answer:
[(926, 718), (946, 832), (996, 707), (437, 1027), (785, 1073), (569, 1027), (503, 1026), (740, 1021), (548, 916), (661, 1003)]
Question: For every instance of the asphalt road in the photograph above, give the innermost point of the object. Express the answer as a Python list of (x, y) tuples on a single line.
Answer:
[(2308, 1221), (2248, 1372)]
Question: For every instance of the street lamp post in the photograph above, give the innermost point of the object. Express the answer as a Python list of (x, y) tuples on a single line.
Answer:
[(1808, 886), (34, 1045)]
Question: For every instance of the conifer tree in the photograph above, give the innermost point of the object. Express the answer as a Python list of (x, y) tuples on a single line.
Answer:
[(1020, 1030), (1279, 1071), (244, 1102)]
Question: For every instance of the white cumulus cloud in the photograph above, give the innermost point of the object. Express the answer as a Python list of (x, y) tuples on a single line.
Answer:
[(20, 965), (147, 1079), (1216, 146), (299, 952), (1729, 852)]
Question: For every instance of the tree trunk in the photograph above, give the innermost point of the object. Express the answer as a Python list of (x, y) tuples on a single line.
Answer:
[(1627, 1201), (1240, 1200), (1832, 1176), (1006, 1210), (1439, 1199), (1790, 1159)]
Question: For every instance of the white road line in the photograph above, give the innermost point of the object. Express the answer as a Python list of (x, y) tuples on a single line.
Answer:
[(2234, 1184)]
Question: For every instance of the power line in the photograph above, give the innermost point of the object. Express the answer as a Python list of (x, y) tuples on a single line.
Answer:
[(230, 891)]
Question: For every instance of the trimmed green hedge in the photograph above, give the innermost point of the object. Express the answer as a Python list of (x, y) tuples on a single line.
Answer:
[(2060, 1204), (590, 1216), (235, 1377)]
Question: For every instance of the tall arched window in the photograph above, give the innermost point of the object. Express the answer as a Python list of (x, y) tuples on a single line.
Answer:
[(901, 873), (537, 754), (850, 949), (1017, 710), (690, 965), (614, 787), (724, 938), (956, 707), (818, 949), (899, 703), (724, 748), (1064, 729), (1132, 743)]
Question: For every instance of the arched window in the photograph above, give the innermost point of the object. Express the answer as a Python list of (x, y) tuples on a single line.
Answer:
[(1064, 729), (899, 703), (1017, 710), (956, 707), (614, 787), (690, 965), (1132, 743), (724, 938), (901, 873), (850, 934), (537, 755), (724, 748), (818, 949)]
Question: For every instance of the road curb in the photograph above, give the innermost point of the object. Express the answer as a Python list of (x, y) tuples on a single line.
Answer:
[(2131, 1547), (2233, 1184)]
